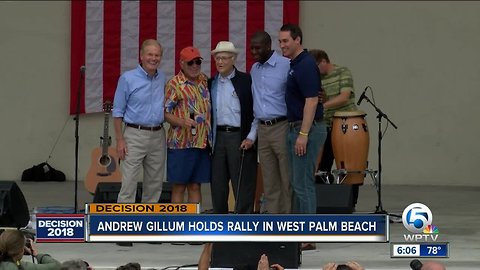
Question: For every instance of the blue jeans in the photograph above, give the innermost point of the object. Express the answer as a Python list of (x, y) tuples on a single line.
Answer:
[(302, 168)]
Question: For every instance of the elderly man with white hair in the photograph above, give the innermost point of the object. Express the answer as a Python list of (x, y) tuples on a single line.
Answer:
[(234, 155)]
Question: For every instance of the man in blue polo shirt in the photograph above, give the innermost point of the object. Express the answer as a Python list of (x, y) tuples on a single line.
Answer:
[(307, 132)]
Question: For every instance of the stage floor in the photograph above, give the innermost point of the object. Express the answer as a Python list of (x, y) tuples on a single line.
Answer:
[(454, 209)]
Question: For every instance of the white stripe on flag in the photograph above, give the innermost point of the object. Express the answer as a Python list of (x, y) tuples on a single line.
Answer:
[(202, 29), (129, 36), (274, 21), (166, 35), (238, 30), (94, 57)]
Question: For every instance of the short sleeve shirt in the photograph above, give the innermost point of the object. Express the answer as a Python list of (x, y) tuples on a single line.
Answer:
[(182, 97), (303, 82)]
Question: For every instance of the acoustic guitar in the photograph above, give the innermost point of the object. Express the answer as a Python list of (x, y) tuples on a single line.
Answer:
[(105, 166)]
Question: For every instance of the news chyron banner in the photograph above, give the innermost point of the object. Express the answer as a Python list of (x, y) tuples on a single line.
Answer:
[(181, 222), (73, 227)]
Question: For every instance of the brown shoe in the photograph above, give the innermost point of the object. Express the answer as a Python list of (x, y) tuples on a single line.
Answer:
[(308, 246)]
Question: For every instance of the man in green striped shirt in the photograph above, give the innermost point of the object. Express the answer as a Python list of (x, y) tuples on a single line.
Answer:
[(338, 95)]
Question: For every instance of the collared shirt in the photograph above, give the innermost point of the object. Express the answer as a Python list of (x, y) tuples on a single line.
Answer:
[(139, 98), (228, 109), (183, 96), (243, 80), (269, 82), (303, 82)]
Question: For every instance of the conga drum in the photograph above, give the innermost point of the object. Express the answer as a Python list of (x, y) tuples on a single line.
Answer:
[(350, 141)]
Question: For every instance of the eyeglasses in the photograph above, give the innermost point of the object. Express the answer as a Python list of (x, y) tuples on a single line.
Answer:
[(222, 58), (191, 62)]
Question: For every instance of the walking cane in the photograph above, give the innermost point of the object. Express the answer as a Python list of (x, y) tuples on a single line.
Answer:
[(237, 196)]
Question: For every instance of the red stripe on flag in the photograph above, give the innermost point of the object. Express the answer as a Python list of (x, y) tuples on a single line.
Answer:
[(220, 26), (112, 15), (291, 11), (183, 28), (148, 21), (77, 53), (255, 22)]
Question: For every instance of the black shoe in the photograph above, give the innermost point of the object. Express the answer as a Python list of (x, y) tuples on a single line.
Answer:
[(125, 244), (208, 211)]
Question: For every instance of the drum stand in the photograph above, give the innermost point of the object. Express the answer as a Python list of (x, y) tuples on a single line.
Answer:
[(380, 115), (340, 175)]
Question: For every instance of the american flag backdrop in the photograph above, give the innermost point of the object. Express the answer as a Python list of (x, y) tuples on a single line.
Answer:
[(106, 35)]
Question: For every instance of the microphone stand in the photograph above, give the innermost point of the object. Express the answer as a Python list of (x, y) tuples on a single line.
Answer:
[(380, 115), (77, 119)]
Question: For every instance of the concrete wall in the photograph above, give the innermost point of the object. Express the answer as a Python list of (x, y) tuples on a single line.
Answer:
[(420, 58), (422, 61)]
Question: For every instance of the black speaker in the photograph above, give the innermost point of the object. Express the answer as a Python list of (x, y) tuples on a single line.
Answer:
[(334, 199), (165, 197), (245, 255), (107, 192), (13, 206)]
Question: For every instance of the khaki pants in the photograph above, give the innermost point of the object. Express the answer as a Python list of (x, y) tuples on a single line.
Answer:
[(146, 149), (272, 152)]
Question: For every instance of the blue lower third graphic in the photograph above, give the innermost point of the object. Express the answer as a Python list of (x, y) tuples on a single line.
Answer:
[(60, 228), (242, 228)]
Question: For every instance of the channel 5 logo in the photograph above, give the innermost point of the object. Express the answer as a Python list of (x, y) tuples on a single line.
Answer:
[(417, 218)]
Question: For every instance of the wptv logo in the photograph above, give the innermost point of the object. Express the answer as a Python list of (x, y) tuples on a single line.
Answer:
[(417, 218)]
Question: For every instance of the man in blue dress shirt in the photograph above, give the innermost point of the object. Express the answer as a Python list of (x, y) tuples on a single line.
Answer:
[(269, 81), (139, 104)]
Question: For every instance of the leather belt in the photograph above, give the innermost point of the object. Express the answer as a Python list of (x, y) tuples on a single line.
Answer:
[(273, 121), (228, 128), (155, 128)]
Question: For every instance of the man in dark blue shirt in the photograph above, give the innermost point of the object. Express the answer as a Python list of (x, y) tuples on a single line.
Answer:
[(307, 132)]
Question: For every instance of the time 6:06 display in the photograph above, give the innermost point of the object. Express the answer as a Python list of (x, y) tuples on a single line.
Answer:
[(405, 250)]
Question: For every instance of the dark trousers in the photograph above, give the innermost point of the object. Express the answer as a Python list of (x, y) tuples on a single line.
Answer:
[(226, 160), (327, 162)]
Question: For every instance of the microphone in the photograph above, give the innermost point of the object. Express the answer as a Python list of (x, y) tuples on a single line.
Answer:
[(82, 69), (362, 96), (416, 264), (192, 116)]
